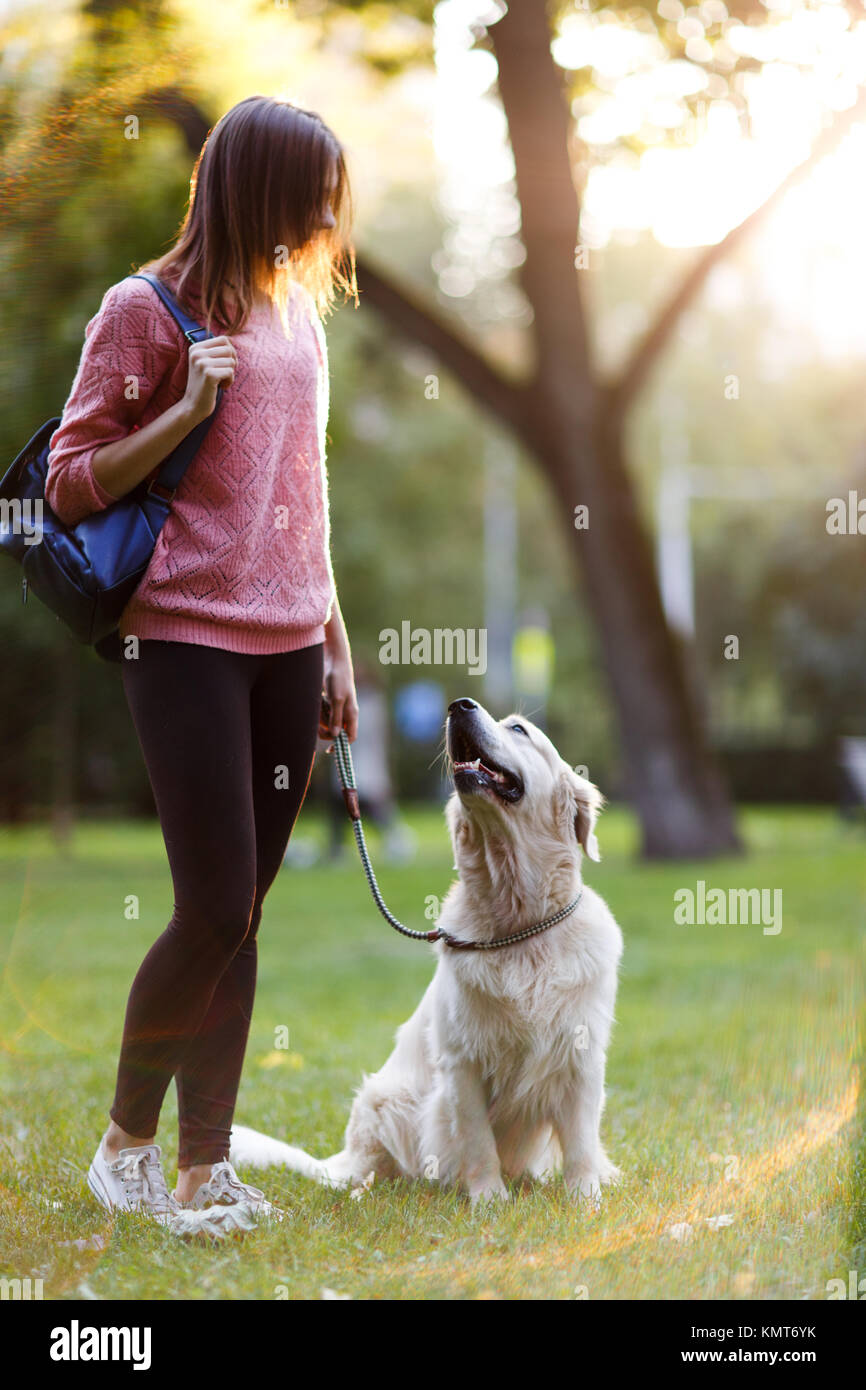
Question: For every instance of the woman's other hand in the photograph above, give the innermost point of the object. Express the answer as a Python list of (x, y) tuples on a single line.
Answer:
[(211, 364)]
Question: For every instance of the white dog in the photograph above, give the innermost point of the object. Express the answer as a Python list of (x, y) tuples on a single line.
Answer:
[(500, 1070)]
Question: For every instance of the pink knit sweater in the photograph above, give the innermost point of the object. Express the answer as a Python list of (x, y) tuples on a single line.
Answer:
[(243, 561)]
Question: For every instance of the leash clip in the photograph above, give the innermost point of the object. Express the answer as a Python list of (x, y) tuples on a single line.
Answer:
[(455, 943)]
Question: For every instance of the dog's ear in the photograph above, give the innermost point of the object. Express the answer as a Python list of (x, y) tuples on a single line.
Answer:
[(587, 801)]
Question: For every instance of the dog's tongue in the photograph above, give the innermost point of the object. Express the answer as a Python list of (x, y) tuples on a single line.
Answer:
[(478, 766)]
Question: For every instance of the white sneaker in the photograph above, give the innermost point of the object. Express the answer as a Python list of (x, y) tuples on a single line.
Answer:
[(133, 1182), (225, 1189)]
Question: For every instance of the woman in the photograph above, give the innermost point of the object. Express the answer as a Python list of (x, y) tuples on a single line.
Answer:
[(235, 632)]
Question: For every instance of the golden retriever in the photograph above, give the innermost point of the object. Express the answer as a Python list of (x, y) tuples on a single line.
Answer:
[(499, 1073)]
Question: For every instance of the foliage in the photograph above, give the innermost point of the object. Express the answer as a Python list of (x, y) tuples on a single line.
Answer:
[(82, 204)]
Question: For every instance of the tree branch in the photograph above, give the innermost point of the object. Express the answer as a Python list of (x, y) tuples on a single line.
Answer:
[(633, 375), (424, 327), (175, 106)]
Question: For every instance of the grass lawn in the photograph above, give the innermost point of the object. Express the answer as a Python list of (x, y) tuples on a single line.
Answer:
[(732, 1081)]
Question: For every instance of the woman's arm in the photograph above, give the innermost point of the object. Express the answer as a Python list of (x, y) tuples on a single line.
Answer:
[(120, 466), (339, 678), (131, 341)]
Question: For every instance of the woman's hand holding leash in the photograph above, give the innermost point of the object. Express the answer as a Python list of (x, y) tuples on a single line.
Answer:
[(339, 699), (339, 703)]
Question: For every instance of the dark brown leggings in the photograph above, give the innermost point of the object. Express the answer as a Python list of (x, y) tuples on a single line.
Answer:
[(228, 739)]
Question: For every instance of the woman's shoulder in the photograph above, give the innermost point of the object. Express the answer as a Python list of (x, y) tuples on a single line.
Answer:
[(131, 292), (135, 295), (131, 310)]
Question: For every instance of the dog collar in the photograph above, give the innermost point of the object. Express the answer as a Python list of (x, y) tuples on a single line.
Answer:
[(459, 945)]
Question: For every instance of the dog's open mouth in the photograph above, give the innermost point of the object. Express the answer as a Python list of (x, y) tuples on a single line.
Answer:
[(475, 770)]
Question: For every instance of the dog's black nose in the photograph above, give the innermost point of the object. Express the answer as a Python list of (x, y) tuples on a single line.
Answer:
[(465, 705)]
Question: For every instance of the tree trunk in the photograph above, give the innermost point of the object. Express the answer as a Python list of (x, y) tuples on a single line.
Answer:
[(673, 783)]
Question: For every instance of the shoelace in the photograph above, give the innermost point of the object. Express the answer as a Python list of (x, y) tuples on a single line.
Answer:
[(142, 1170), (225, 1182)]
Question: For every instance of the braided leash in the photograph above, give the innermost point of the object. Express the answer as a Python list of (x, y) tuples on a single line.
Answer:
[(346, 771)]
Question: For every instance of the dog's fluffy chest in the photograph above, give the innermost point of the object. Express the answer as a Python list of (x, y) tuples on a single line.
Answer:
[(523, 1018)]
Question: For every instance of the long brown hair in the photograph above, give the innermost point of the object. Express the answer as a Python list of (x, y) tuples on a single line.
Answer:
[(266, 173)]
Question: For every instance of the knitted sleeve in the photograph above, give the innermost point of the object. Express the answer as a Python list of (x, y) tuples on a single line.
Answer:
[(130, 346)]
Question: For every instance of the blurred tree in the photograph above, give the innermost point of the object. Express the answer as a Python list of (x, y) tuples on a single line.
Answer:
[(566, 413), (573, 420)]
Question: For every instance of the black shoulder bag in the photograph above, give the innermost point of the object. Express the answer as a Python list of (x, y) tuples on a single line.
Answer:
[(87, 573)]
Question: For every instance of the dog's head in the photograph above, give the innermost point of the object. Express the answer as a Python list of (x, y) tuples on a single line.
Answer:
[(510, 780)]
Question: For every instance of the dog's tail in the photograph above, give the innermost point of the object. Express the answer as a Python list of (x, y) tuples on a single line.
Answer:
[(259, 1151)]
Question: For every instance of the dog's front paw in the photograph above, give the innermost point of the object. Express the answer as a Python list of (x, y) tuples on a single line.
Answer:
[(486, 1191), (587, 1187), (589, 1182), (608, 1172), (587, 1179)]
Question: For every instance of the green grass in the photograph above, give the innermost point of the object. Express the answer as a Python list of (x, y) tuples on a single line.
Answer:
[(732, 1081)]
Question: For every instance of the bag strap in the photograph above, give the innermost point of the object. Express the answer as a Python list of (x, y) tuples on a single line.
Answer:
[(168, 479)]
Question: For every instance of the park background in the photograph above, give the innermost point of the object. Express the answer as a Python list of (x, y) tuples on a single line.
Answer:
[(609, 256)]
